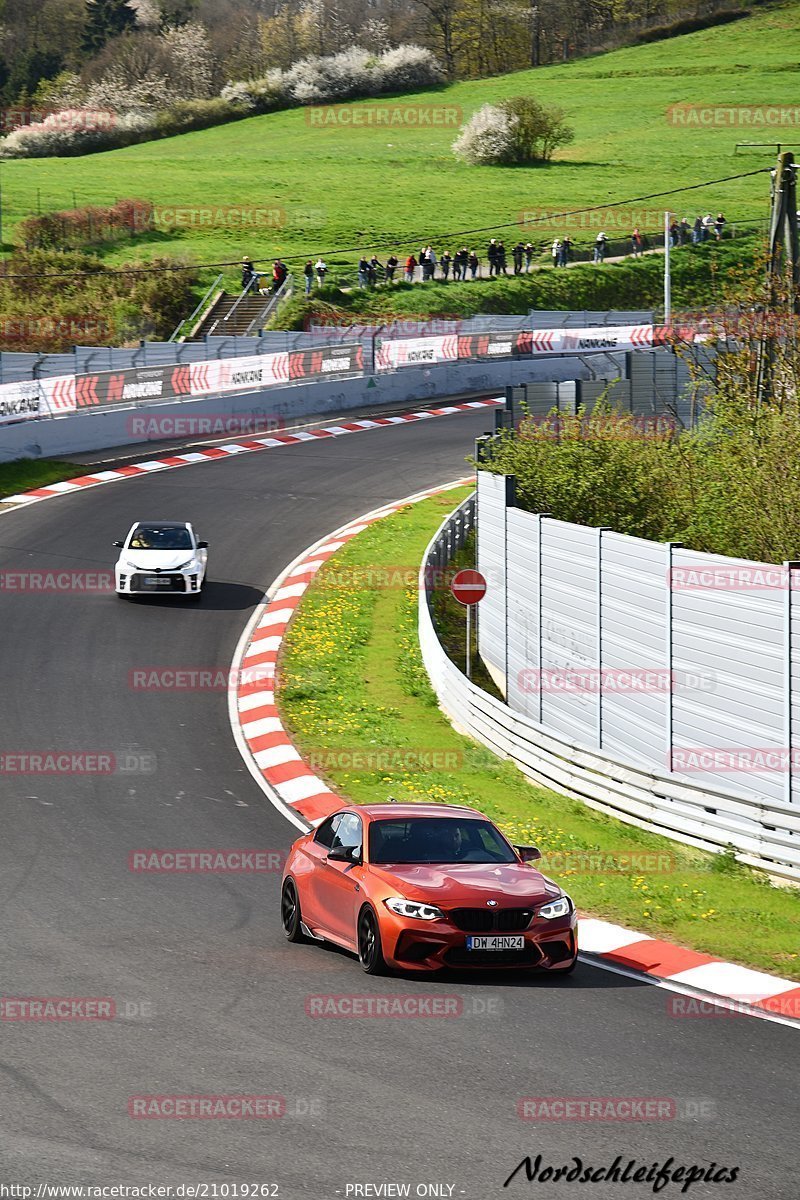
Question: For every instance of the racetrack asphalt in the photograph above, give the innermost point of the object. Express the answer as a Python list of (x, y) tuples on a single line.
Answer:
[(210, 999)]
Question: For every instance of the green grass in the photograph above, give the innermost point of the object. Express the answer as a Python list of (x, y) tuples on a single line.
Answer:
[(355, 694), (342, 186), (31, 473)]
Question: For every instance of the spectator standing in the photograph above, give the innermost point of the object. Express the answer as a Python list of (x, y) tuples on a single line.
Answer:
[(457, 266), (566, 250), (491, 254), (363, 272), (279, 273), (308, 271), (501, 258), (636, 243), (528, 248), (432, 261), (444, 264), (685, 233), (391, 266), (249, 273), (411, 265), (463, 254), (375, 265), (321, 267), (697, 231), (517, 254), (708, 225), (555, 251), (674, 233), (719, 225), (600, 244), (472, 262)]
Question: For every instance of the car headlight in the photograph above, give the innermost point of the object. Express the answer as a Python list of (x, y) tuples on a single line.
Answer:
[(191, 565), (413, 908), (561, 907)]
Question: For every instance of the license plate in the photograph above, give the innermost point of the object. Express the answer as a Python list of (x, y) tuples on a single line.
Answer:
[(494, 941), (157, 581)]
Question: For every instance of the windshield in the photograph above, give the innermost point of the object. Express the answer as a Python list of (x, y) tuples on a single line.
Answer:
[(161, 537), (437, 840)]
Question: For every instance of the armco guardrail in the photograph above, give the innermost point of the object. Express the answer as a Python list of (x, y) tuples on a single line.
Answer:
[(764, 831), (60, 395), (68, 394)]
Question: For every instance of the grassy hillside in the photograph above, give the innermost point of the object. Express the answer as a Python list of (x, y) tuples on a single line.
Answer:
[(342, 186)]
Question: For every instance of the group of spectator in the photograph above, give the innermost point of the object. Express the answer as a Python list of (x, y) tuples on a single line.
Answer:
[(702, 229), (465, 264)]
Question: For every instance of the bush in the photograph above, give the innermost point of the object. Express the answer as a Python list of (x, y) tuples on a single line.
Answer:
[(487, 138), (519, 131), (77, 131), (86, 226), (353, 73)]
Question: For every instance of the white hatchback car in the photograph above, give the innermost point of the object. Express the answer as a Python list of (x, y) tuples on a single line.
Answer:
[(161, 558)]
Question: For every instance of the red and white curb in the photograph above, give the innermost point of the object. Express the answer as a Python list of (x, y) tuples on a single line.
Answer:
[(305, 799), (231, 449), (265, 744)]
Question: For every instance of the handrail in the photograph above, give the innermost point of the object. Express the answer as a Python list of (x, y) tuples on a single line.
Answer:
[(276, 299), (253, 280), (186, 320)]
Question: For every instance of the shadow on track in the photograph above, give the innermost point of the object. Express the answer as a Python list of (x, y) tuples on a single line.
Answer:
[(220, 597)]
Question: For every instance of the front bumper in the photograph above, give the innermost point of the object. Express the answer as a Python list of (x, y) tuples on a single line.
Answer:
[(410, 945), (158, 583)]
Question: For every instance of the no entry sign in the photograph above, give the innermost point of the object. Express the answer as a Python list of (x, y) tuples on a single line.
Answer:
[(468, 587)]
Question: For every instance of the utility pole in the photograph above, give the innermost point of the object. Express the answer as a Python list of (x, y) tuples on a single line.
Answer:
[(784, 260), (667, 275)]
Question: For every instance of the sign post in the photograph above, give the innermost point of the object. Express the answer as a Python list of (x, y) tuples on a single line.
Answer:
[(468, 588)]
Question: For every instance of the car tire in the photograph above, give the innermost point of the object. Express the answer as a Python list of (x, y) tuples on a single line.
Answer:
[(291, 919), (370, 951)]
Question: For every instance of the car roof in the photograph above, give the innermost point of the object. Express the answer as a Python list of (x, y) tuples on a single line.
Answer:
[(390, 811), (164, 524)]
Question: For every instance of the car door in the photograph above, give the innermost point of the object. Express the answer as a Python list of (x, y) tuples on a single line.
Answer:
[(316, 851), (338, 884)]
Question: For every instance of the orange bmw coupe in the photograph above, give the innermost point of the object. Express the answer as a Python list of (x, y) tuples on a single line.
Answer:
[(421, 887)]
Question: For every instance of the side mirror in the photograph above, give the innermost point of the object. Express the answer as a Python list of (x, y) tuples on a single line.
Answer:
[(120, 544), (347, 854), (202, 545), (529, 853)]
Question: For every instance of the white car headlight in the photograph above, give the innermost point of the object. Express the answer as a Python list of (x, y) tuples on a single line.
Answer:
[(191, 565), (413, 908), (561, 907)]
